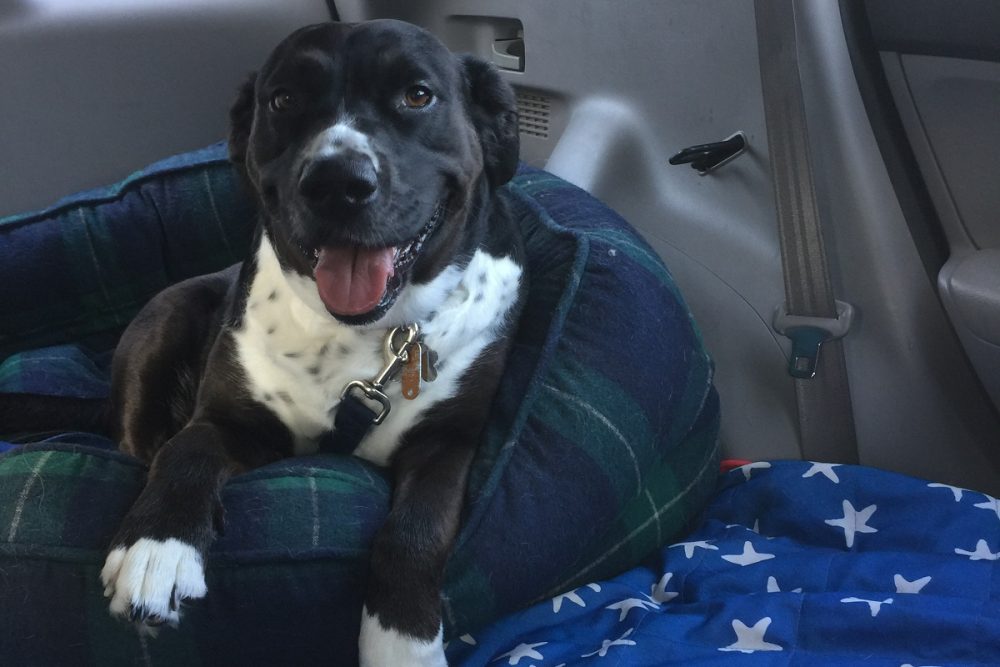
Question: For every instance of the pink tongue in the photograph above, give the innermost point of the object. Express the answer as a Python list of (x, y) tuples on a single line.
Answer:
[(352, 280)]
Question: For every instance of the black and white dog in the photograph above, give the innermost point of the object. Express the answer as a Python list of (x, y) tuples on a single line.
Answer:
[(375, 155)]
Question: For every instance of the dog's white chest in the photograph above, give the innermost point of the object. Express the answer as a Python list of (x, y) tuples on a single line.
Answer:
[(296, 365), (297, 359)]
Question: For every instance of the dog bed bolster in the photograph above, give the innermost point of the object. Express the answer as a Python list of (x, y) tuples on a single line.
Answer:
[(602, 444)]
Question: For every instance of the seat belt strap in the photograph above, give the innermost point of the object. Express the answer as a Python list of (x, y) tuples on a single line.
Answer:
[(811, 317)]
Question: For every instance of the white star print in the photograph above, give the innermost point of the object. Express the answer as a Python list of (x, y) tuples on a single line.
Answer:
[(991, 504), (748, 557), (594, 587), (825, 469), (659, 592), (875, 606), (608, 643), (982, 552), (904, 586), (854, 521), (749, 467), (689, 547), (571, 596), (750, 639), (522, 651), (625, 606), (772, 586), (956, 491)]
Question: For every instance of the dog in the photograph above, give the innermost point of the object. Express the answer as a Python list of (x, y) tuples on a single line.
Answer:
[(383, 249)]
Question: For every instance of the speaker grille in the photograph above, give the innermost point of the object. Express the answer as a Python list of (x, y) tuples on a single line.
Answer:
[(533, 114)]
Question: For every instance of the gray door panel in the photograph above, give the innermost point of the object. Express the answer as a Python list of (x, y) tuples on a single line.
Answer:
[(970, 289), (958, 103), (950, 109)]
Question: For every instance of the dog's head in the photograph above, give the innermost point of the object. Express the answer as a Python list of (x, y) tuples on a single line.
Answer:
[(369, 146)]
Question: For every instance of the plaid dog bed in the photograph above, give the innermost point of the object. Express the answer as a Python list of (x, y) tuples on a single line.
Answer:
[(602, 444)]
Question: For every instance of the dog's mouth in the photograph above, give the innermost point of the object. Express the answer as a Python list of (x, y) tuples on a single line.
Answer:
[(358, 283)]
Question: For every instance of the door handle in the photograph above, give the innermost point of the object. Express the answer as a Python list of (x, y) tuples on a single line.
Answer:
[(706, 157), (509, 54)]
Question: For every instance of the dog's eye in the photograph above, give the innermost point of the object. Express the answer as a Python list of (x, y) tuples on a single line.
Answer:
[(417, 97), (281, 100)]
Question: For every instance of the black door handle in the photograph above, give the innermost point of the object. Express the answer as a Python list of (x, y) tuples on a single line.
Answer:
[(706, 157)]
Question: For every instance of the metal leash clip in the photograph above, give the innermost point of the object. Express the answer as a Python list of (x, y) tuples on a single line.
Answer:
[(395, 357)]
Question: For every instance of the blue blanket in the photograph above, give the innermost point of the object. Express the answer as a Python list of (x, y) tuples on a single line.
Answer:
[(794, 564)]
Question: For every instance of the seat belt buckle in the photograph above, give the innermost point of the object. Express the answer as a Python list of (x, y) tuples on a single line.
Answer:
[(808, 335)]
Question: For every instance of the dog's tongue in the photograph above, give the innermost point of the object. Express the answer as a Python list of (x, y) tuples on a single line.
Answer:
[(352, 280)]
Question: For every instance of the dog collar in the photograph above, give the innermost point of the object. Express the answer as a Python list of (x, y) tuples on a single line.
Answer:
[(404, 354)]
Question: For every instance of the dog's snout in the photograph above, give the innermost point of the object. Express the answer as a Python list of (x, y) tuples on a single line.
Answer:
[(343, 181)]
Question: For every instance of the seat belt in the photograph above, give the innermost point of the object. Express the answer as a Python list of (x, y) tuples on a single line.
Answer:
[(810, 317)]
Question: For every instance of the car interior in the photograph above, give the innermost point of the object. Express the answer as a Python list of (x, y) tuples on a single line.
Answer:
[(658, 110)]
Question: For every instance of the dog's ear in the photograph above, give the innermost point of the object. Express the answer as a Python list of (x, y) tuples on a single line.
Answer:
[(493, 109), (240, 120)]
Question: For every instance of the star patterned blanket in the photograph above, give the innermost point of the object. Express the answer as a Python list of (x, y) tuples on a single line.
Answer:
[(794, 563)]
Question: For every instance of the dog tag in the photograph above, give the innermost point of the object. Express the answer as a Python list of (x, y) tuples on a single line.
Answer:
[(410, 377), (428, 363)]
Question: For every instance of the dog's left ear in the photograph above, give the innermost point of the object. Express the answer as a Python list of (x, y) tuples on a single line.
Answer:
[(493, 109), (240, 120)]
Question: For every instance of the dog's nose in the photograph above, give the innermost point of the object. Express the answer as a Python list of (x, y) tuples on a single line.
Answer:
[(339, 182)]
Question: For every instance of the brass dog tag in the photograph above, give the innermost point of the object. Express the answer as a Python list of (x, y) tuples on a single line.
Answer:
[(410, 377)]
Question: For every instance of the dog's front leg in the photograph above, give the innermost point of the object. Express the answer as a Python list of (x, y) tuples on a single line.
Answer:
[(401, 623), (157, 557)]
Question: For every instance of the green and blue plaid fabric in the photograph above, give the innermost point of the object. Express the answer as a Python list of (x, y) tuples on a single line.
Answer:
[(88, 263)]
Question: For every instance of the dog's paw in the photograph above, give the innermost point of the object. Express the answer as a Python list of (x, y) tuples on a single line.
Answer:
[(148, 580), (380, 646)]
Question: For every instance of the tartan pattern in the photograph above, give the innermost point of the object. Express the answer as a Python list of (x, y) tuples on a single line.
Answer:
[(60, 370), (602, 445), (93, 259), (615, 421)]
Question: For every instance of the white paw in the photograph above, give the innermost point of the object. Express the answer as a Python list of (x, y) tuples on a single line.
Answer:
[(382, 647), (147, 581)]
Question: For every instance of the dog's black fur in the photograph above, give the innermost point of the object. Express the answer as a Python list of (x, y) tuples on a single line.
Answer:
[(181, 397)]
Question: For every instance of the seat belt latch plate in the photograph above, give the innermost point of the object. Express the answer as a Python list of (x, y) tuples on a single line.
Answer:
[(808, 335)]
